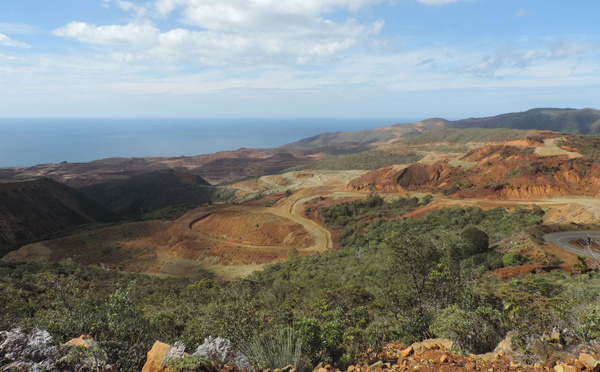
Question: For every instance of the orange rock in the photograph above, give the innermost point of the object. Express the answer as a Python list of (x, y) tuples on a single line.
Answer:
[(444, 358), (351, 368), (83, 340), (579, 365), (406, 352), (590, 363), (155, 357)]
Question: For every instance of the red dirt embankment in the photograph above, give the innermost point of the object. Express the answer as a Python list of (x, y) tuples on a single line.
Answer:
[(501, 171)]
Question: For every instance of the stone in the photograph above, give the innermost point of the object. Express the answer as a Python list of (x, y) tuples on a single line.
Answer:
[(433, 344), (444, 358), (470, 366), (488, 356), (505, 346), (155, 357), (84, 340), (351, 368), (287, 368), (590, 363), (406, 352), (579, 365), (322, 369), (555, 337), (376, 365), (561, 367)]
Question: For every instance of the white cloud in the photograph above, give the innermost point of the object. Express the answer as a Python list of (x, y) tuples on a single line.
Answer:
[(236, 31), (8, 42)]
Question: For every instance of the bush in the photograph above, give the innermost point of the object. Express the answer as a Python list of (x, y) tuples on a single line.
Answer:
[(513, 259), (475, 331)]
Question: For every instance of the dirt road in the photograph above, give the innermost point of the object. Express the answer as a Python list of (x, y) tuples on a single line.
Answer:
[(563, 240)]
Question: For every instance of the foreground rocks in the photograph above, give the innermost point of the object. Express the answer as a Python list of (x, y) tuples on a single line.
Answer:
[(436, 356), (35, 350)]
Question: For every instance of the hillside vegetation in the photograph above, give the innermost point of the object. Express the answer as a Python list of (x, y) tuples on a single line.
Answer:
[(392, 280), (366, 160), (452, 135), (584, 121)]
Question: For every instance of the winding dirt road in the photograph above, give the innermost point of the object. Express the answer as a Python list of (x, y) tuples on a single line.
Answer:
[(292, 208), (563, 240)]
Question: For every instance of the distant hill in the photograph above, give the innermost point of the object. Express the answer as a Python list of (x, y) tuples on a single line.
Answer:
[(148, 192), (33, 210), (583, 121), (361, 139)]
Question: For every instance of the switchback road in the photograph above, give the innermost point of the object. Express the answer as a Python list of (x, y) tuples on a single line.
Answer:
[(563, 239)]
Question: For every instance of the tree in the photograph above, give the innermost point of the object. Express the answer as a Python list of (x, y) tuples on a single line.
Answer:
[(416, 258), (476, 241)]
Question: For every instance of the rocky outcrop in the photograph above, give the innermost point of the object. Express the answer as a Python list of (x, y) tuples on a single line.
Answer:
[(155, 357), (217, 351), (35, 350), (412, 178)]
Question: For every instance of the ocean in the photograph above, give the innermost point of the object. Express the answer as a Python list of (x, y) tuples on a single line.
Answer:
[(27, 142)]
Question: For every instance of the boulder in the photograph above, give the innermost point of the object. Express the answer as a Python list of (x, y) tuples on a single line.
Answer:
[(435, 343), (590, 363), (155, 357), (84, 340), (505, 346)]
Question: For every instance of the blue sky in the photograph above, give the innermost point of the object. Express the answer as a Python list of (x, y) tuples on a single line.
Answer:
[(296, 58)]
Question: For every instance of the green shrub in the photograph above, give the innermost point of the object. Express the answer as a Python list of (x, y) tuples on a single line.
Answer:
[(513, 259)]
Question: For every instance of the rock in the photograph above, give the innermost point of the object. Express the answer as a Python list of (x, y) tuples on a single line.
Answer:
[(590, 363), (351, 368), (22, 350), (561, 367), (579, 365), (470, 366), (406, 352), (547, 351), (505, 346), (436, 343), (83, 340), (376, 365), (287, 368), (444, 358), (322, 369), (155, 357), (555, 337), (488, 356)]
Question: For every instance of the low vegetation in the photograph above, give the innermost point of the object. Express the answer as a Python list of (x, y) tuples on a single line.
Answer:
[(341, 214), (366, 160), (397, 279), (451, 135)]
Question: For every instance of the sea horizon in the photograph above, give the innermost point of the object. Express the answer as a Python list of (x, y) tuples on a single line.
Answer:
[(32, 141)]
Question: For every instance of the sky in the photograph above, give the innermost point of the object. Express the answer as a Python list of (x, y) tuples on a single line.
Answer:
[(296, 58)]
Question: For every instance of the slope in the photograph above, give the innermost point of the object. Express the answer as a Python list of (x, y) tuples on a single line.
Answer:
[(35, 209), (148, 192)]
